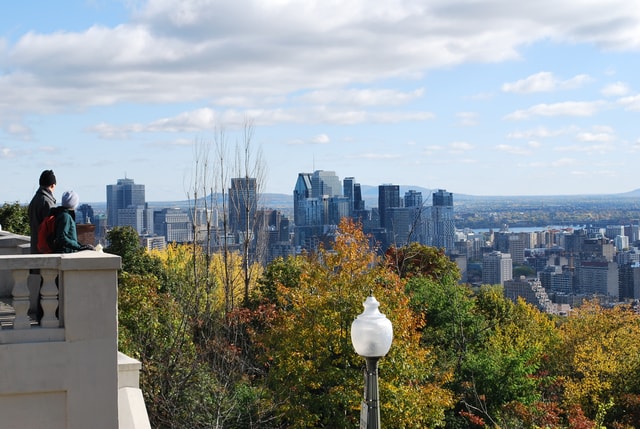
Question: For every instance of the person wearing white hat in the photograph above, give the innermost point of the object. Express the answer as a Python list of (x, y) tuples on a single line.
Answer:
[(66, 240)]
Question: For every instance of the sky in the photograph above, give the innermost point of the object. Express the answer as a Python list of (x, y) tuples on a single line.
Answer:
[(475, 97)]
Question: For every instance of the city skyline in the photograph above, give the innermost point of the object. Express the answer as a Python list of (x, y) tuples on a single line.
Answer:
[(477, 99)]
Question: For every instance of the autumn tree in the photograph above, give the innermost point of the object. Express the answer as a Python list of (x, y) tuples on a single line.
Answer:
[(599, 362), (193, 376), (313, 370)]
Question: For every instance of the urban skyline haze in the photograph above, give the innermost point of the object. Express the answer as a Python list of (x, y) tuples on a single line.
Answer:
[(479, 98)]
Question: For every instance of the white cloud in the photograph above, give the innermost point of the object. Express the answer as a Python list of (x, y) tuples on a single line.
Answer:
[(6, 153), (615, 89), (467, 119), (321, 139), (360, 97), (545, 82), (513, 150), (371, 155), (563, 162), (540, 133), (567, 108), (602, 134), (459, 147), (178, 51), (631, 102)]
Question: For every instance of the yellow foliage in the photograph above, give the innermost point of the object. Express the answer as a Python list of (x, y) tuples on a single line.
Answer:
[(309, 343), (601, 354)]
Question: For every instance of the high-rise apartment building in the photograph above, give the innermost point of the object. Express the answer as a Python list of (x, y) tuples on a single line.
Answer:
[(598, 278), (125, 194), (497, 268)]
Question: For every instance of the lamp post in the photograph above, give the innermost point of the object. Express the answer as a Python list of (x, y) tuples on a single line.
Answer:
[(371, 335)]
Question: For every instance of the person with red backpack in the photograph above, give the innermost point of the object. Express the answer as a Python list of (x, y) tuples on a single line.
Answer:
[(66, 236), (41, 203)]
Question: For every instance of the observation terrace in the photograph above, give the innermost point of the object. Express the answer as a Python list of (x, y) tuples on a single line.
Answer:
[(66, 371)]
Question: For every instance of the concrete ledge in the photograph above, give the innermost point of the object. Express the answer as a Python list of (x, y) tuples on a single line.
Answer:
[(34, 335), (132, 413), (128, 371)]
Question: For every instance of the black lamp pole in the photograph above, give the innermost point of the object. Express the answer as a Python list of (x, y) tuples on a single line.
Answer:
[(371, 393)]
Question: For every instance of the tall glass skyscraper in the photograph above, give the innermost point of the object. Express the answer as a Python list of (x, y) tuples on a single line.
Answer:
[(388, 197), (442, 219), (243, 203)]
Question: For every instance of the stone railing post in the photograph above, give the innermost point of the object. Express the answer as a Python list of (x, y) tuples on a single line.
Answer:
[(21, 300), (49, 299)]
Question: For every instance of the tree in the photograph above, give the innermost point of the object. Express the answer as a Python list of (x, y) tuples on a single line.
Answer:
[(599, 361), (242, 174), (124, 242), (416, 259), (15, 218), (312, 370)]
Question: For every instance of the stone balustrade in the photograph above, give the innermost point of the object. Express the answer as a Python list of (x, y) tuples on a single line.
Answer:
[(63, 370)]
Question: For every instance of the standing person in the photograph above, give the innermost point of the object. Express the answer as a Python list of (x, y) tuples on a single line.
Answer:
[(40, 204), (66, 240)]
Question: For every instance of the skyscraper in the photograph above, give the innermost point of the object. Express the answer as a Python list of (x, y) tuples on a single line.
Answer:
[(442, 219), (412, 198), (243, 203), (123, 195), (388, 197), (325, 183), (348, 185)]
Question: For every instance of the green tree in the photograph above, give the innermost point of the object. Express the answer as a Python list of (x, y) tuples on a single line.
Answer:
[(416, 259), (15, 218), (124, 242), (495, 348)]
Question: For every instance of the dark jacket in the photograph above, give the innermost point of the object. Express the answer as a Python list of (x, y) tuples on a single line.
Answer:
[(41, 203), (66, 235)]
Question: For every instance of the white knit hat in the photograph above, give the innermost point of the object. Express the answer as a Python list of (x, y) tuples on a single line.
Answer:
[(70, 200)]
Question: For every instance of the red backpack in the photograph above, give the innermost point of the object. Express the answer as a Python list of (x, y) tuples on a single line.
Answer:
[(47, 235)]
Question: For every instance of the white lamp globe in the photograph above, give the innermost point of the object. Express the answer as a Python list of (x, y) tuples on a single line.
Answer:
[(371, 331)]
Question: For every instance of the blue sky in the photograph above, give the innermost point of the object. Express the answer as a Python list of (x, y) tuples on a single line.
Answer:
[(482, 98)]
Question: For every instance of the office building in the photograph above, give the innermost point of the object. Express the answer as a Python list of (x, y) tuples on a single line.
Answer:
[(125, 194), (174, 224), (325, 183), (388, 197), (413, 198), (444, 229), (629, 281), (243, 203), (348, 191)]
